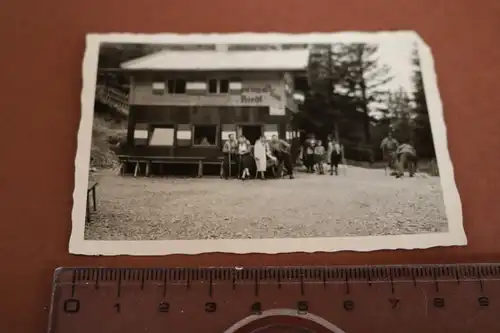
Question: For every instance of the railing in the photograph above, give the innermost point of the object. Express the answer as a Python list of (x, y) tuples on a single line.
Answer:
[(113, 98)]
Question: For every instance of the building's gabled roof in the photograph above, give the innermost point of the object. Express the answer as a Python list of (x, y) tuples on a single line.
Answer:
[(286, 60)]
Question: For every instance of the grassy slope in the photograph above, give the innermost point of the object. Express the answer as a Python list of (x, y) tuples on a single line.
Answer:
[(105, 135)]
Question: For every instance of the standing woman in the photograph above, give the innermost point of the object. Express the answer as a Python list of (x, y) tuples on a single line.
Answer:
[(260, 152), (335, 154), (244, 156)]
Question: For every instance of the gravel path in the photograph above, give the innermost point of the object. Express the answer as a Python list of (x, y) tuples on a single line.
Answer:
[(363, 202)]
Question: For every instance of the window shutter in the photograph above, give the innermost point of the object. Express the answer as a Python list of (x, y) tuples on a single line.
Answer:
[(158, 88), (184, 135), (196, 88), (141, 134), (162, 136), (235, 87)]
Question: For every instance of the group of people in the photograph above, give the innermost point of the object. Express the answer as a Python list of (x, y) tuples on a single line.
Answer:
[(276, 154), (315, 156), (261, 156), (398, 156)]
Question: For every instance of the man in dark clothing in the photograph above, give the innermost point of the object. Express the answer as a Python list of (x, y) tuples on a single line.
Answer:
[(308, 152), (282, 150), (406, 157), (229, 151), (389, 146)]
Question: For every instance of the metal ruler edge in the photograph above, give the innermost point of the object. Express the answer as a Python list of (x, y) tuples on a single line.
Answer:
[(281, 274)]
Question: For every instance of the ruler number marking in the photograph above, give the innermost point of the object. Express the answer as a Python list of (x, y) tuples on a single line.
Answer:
[(483, 301), (71, 305), (164, 307), (349, 305), (438, 302), (302, 307), (256, 308), (394, 302), (210, 307)]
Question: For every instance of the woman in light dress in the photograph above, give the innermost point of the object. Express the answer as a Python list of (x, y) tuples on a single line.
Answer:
[(261, 153)]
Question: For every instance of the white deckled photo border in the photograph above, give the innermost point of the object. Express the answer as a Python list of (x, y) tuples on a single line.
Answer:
[(78, 245)]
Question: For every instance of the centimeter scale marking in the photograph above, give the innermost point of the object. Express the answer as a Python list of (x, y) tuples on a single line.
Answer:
[(213, 287)]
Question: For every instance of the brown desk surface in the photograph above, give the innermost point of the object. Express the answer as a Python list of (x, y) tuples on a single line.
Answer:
[(43, 44)]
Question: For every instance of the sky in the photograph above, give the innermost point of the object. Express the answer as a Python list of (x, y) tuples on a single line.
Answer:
[(396, 52)]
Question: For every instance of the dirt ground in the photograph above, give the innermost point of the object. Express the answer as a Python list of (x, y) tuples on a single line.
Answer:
[(361, 202)]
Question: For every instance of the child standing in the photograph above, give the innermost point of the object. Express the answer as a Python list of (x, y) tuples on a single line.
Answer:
[(334, 154), (319, 157)]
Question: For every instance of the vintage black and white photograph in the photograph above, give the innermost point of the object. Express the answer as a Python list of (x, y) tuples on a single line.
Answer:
[(262, 143)]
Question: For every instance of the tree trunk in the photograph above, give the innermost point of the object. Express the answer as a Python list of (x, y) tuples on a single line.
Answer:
[(366, 118), (336, 131), (330, 96), (364, 100)]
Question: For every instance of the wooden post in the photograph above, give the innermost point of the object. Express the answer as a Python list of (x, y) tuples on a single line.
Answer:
[(87, 217), (120, 169), (147, 168), (94, 201), (200, 169), (136, 168)]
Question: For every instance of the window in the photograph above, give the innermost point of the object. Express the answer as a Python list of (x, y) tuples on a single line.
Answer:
[(277, 111), (224, 86), (270, 130), (212, 86), (184, 135), (228, 129), (289, 132), (162, 136), (141, 134), (205, 135), (177, 86), (218, 86)]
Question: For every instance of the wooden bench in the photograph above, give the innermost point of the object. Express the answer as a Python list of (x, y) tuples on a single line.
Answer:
[(91, 194), (221, 162), (161, 161)]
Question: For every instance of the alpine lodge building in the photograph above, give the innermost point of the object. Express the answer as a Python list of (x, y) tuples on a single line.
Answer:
[(184, 104)]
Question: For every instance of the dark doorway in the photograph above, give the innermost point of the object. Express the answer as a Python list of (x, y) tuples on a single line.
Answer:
[(251, 132)]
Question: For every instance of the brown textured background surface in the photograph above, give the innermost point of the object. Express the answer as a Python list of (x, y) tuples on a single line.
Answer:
[(41, 59)]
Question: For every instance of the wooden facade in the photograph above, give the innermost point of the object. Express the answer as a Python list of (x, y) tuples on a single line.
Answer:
[(184, 122), (178, 116)]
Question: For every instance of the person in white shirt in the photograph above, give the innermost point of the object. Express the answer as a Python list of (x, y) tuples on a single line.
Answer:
[(260, 152)]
